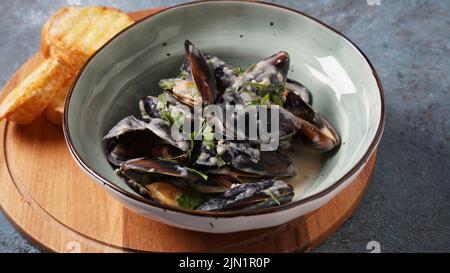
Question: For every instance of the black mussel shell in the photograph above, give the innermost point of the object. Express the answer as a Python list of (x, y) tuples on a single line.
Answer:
[(300, 90), (261, 194), (202, 73)]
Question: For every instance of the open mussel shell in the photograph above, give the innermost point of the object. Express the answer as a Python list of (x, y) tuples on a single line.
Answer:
[(202, 73), (184, 91), (161, 192), (132, 138), (149, 166), (163, 130), (149, 170), (242, 156), (157, 126), (138, 188), (270, 164), (215, 184), (140, 144), (262, 194), (224, 73), (232, 176), (298, 89), (126, 125), (281, 61), (271, 72), (315, 131), (274, 122), (288, 123), (319, 138)]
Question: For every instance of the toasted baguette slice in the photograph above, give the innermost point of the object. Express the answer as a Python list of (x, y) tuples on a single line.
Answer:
[(75, 33), (32, 95), (55, 109)]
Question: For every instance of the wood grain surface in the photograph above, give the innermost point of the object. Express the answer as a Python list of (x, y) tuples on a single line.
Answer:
[(50, 200)]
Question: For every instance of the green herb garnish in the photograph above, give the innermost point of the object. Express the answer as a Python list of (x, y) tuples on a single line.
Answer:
[(239, 69), (250, 68), (162, 102), (219, 161), (260, 86), (190, 199), (167, 84), (171, 160), (274, 198), (270, 95), (183, 75), (199, 173), (277, 99), (165, 115)]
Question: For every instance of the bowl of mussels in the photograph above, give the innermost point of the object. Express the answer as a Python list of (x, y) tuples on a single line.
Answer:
[(225, 116)]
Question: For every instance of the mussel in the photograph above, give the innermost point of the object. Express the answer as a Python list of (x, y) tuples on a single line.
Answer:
[(297, 88), (202, 73), (224, 73), (244, 157), (266, 76), (152, 107), (132, 138), (250, 196), (196, 85), (315, 131), (147, 170)]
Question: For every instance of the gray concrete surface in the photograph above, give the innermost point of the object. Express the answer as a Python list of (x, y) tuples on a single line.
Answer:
[(407, 207)]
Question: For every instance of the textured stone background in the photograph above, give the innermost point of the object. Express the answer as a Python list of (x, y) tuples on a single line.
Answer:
[(407, 207)]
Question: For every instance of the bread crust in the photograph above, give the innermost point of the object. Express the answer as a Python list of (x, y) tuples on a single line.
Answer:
[(30, 98), (69, 38), (76, 33)]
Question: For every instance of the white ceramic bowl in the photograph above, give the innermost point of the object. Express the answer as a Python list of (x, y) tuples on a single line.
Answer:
[(344, 84)]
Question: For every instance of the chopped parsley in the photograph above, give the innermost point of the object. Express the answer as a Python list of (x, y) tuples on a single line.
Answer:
[(274, 198), (199, 173), (219, 161), (190, 199), (183, 75), (165, 113), (239, 69), (167, 84), (270, 95), (171, 160)]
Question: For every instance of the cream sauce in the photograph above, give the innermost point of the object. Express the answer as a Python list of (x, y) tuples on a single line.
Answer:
[(308, 165)]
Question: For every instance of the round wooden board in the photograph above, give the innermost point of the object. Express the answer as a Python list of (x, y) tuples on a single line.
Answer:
[(50, 200)]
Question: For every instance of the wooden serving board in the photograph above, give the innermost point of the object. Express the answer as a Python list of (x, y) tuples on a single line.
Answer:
[(55, 205)]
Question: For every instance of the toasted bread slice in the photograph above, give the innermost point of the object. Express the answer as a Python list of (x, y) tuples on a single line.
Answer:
[(32, 95), (75, 33), (55, 109)]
